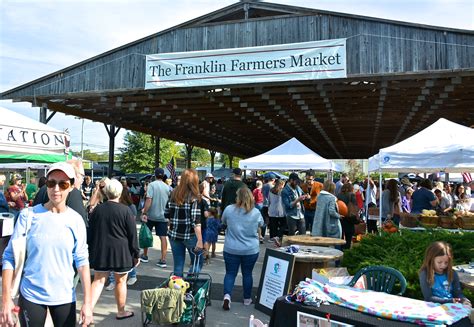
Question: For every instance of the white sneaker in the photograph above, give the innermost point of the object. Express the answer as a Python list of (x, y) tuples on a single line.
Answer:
[(110, 287), (226, 303), (131, 281), (247, 301)]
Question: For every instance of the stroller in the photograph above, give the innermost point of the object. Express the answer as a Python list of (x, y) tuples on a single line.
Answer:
[(196, 299)]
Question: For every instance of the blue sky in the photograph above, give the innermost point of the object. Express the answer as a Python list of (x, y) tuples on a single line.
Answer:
[(41, 37)]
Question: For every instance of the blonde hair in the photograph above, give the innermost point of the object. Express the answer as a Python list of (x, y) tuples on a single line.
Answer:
[(77, 165), (437, 249), (245, 199), (258, 183)]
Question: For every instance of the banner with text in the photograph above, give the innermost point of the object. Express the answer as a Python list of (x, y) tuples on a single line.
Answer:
[(34, 141), (273, 63)]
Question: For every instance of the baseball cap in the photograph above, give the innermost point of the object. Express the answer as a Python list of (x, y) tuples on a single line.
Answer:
[(237, 171), (17, 177), (64, 167), (159, 171), (294, 176), (209, 175)]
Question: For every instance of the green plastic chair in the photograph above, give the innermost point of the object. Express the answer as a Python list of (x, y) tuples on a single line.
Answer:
[(381, 279)]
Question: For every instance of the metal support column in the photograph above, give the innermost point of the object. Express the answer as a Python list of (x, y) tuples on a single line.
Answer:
[(112, 134), (157, 151), (42, 114), (213, 156), (189, 151)]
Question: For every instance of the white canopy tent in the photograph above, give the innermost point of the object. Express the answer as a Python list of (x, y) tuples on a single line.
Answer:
[(443, 146), (291, 155), (23, 139)]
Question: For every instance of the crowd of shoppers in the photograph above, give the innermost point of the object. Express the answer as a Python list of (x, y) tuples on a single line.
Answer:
[(95, 223)]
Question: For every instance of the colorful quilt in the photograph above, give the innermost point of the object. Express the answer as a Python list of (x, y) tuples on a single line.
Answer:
[(380, 304)]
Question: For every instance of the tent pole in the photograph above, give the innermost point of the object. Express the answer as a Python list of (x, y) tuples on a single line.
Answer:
[(380, 201)]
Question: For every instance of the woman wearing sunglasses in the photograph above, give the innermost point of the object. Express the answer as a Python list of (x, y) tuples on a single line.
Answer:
[(55, 240)]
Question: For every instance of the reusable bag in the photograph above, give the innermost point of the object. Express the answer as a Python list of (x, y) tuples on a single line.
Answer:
[(19, 255), (145, 237)]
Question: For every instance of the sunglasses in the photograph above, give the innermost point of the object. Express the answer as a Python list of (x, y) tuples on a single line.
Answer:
[(63, 185)]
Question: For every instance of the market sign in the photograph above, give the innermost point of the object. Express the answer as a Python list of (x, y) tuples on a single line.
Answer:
[(22, 139), (273, 63)]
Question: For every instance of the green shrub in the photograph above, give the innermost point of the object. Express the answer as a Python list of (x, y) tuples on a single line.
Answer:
[(405, 253)]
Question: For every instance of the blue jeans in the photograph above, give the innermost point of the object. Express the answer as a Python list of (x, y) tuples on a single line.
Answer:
[(232, 263), (308, 219), (131, 274), (178, 248)]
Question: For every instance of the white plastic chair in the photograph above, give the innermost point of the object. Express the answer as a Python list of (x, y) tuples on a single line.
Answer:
[(253, 322)]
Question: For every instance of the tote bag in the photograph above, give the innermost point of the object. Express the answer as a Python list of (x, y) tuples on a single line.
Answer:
[(19, 255)]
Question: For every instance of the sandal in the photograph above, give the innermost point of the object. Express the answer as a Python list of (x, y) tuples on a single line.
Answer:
[(129, 315)]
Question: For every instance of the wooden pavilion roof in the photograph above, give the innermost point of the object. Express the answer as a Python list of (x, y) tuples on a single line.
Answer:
[(380, 103)]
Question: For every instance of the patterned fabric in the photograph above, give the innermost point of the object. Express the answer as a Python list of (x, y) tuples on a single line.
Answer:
[(380, 304), (183, 219)]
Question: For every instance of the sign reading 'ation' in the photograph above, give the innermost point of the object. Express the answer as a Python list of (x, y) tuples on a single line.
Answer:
[(283, 62)]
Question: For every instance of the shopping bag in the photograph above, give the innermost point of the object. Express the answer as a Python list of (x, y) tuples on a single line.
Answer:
[(145, 237), (19, 255)]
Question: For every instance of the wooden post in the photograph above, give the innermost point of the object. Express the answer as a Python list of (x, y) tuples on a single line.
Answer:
[(213, 156), (112, 134), (189, 151), (157, 151), (43, 114)]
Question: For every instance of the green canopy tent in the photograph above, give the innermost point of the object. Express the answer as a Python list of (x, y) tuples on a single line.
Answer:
[(23, 139)]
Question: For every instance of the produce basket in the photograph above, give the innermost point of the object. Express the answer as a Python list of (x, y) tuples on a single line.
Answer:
[(448, 222), (466, 222), (409, 220), (429, 221)]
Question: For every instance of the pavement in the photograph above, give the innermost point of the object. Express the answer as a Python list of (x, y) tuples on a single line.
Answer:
[(150, 275)]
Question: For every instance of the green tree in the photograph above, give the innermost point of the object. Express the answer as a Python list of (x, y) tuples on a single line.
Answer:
[(224, 160), (199, 157), (138, 153), (93, 156), (168, 149)]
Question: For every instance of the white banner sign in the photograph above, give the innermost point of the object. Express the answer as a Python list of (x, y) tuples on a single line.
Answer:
[(283, 62), (26, 140)]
